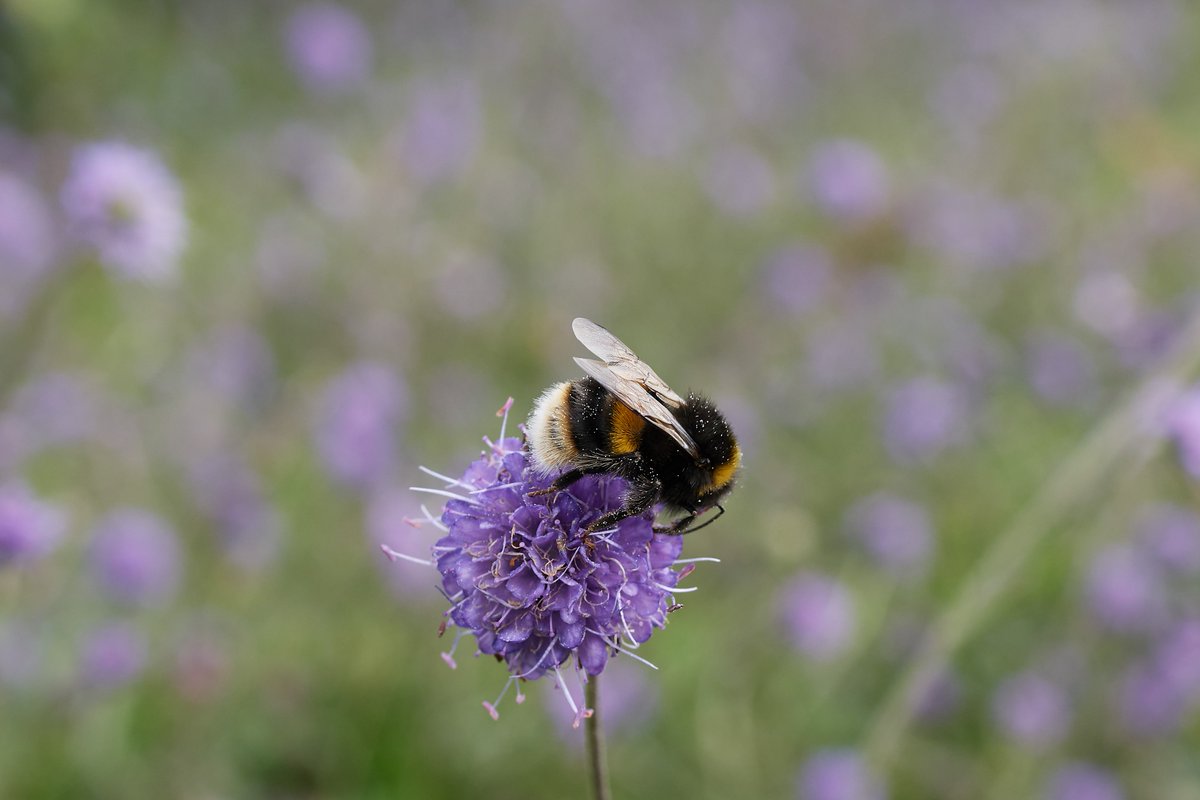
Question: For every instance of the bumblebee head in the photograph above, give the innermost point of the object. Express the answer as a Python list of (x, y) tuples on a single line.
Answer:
[(720, 456)]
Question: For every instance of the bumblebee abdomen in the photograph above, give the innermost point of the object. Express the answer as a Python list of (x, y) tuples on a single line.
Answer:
[(581, 424), (548, 429)]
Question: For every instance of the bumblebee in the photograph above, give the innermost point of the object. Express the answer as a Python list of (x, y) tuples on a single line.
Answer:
[(622, 419)]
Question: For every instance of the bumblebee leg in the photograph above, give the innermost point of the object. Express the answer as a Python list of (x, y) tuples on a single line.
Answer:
[(636, 502), (680, 527), (560, 483)]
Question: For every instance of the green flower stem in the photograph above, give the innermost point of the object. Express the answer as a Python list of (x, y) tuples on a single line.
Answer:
[(594, 732), (1119, 441)]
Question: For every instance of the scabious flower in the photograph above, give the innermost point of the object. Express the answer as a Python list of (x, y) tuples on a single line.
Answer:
[(135, 557), (27, 243), (229, 493), (1060, 370), (1125, 590), (818, 616), (442, 128), (838, 774), (122, 202), (356, 423), (112, 655), (1081, 781), (1171, 535), (523, 580), (848, 180), (29, 527), (1183, 426), (1032, 710), (328, 47), (894, 531), (924, 417), (797, 278)]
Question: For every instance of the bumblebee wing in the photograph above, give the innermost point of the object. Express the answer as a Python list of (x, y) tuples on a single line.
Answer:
[(623, 362), (635, 395)]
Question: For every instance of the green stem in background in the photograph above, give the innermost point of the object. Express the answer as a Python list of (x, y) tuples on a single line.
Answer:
[(597, 756), (1119, 441)]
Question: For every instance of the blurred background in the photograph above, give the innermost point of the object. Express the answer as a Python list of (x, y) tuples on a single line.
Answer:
[(259, 261)]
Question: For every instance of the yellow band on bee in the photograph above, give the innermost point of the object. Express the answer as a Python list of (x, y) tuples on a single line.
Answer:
[(723, 474), (625, 436)]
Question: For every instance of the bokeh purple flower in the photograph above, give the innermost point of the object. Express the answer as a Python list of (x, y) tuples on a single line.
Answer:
[(1078, 780), (29, 528), (27, 242), (1183, 426), (230, 495), (1125, 591), (848, 180), (135, 557), (838, 774), (895, 532), (1032, 710), (922, 418), (122, 202), (112, 655), (1170, 534), (797, 278), (1061, 370), (329, 47), (442, 128), (523, 581), (359, 412), (818, 615)]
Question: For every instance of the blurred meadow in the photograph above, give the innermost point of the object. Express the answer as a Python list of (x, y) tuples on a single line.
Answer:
[(936, 260)]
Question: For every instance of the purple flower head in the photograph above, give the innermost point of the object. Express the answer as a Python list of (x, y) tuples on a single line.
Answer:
[(797, 278), (27, 244), (356, 424), (739, 182), (1080, 781), (111, 656), (819, 616), (971, 230), (1176, 658), (848, 180), (922, 418), (895, 532), (1183, 425), (525, 583), (329, 47), (838, 774), (1171, 535), (1149, 703), (135, 557), (29, 528), (1032, 710), (442, 130), (230, 495), (122, 202), (1061, 370), (236, 364), (1125, 590)]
